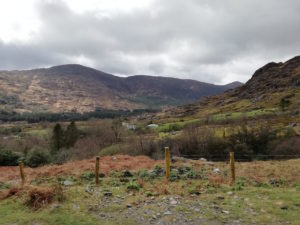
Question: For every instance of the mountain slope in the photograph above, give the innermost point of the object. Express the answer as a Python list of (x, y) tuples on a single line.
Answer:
[(268, 86), (78, 88)]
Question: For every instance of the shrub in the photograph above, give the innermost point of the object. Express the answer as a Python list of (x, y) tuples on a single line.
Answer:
[(174, 175), (61, 157), (37, 157), (132, 186), (9, 158), (39, 197), (287, 148)]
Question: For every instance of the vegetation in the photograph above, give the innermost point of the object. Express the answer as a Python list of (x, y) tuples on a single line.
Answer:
[(195, 190)]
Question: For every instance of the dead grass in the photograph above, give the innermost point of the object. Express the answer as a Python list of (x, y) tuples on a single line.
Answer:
[(107, 165), (258, 171), (40, 196)]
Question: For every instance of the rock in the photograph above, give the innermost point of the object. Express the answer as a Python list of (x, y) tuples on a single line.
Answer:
[(284, 207), (76, 207), (203, 159), (217, 170), (68, 183), (196, 209), (126, 173), (173, 202), (89, 190), (90, 207), (54, 206), (107, 194), (225, 212), (101, 175), (229, 193), (167, 213), (220, 197)]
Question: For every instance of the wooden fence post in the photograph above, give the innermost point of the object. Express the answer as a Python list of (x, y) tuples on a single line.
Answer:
[(232, 168), (97, 169), (21, 166), (167, 158)]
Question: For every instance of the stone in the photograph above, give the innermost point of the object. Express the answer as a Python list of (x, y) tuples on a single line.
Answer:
[(217, 170), (90, 207), (107, 194), (284, 207), (173, 201), (89, 190), (126, 173), (229, 193), (167, 213), (68, 183), (225, 212), (54, 206)]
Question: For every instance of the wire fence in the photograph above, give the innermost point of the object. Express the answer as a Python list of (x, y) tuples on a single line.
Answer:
[(238, 157)]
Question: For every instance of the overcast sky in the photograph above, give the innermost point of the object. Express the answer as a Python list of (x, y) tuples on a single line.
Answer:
[(217, 41)]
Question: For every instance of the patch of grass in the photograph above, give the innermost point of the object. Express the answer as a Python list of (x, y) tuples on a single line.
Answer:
[(4, 185)]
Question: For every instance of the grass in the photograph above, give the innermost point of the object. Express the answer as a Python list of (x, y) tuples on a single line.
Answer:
[(250, 202), (64, 215), (250, 205), (167, 127)]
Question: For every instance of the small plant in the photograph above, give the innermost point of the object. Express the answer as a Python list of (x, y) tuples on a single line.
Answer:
[(87, 176), (115, 183), (158, 171), (132, 186), (240, 184), (174, 175), (148, 193), (193, 190), (4, 185), (297, 186), (143, 174)]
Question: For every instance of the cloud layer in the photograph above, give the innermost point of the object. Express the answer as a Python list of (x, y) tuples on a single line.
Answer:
[(208, 40)]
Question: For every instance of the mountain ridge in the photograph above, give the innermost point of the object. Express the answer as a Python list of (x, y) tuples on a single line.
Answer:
[(265, 90), (73, 87)]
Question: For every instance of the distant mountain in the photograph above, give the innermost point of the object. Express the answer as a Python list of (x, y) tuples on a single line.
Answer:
[(78, 88), (268, 86)]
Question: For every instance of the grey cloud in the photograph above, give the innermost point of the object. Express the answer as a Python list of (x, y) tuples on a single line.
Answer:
[(208, 40)]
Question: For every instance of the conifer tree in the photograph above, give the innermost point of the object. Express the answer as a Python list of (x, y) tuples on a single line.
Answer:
[(57, 139), (71, 135)]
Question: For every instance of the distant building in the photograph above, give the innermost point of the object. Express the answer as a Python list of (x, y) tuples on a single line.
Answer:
[(129, 126), (152, 125)]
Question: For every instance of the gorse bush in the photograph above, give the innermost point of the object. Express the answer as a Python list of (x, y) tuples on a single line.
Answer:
[(9, 158), (37, 157)]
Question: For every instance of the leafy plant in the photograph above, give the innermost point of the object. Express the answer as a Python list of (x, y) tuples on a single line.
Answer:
[(132, 186)]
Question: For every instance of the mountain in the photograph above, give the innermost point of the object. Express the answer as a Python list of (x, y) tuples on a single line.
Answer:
[(265, 91), (78, 88)]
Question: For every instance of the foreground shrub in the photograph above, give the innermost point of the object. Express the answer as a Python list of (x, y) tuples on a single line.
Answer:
[(39, 197), (37, 157), (9, 158)]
